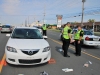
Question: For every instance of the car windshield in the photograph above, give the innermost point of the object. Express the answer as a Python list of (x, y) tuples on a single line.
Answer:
[(5, 26), (27, 34)]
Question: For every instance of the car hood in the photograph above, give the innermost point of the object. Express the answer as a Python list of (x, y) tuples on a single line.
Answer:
[(27, 43)]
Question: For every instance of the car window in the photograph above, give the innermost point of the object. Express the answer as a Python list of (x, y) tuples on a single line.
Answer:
[(74, 31), (88, 33), (85, 32), (5, 26), (27, 34)]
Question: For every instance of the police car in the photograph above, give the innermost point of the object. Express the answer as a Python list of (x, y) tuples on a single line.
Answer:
[(89, 38)]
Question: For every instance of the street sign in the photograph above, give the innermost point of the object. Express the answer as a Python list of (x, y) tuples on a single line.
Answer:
[(59, 20)]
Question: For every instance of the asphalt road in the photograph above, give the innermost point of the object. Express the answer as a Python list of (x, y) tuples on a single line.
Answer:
[(76, 63)]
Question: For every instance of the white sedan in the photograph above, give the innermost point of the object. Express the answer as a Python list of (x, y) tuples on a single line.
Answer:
[(26, 46), (89, 38)]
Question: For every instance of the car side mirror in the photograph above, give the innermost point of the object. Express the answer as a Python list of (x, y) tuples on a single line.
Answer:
[(8, 35)]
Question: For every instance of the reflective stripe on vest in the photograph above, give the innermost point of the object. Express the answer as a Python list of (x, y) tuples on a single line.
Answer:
[(65, 32), (77, 35)]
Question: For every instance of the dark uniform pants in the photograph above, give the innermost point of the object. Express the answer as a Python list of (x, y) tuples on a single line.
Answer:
[(78, 47), (65, 46), (44, 32)]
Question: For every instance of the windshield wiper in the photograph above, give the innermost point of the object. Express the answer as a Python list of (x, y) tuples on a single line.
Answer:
[(34, 38), (18, 37)]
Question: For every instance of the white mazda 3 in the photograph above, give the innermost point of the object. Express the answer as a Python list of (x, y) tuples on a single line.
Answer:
[(26, 46)]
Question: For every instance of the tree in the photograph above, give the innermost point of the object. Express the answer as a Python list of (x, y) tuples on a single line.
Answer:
[(91, 20), (75, 22)]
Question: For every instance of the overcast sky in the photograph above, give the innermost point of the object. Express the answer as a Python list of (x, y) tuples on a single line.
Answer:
[(15, 12)]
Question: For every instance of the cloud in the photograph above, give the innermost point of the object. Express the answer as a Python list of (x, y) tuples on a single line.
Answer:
[(11, 7)]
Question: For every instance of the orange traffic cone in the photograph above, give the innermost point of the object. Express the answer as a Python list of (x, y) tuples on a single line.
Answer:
[(51, 61)]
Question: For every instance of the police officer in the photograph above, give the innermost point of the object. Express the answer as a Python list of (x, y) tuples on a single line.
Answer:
[(78, 40), (66, 39), (44, 28)]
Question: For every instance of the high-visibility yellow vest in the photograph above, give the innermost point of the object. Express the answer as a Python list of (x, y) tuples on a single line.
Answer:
[(65, 32), (44, 27), (77, 35)]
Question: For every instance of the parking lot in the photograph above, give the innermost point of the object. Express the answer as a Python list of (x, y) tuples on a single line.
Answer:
[(59, 62)]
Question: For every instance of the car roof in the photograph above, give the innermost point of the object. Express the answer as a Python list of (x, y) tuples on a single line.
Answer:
[(82, 29), (36, 26), (26, 27), (5, 25)]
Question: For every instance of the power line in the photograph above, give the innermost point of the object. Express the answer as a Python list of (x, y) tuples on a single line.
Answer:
[(84, 15)]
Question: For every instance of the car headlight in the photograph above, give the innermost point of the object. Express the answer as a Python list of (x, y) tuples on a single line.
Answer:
[(46, 49), (11, 49)]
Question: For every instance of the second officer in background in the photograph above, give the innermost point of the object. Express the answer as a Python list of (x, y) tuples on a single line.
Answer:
[(66, 38), (44, 28), (78, 36)]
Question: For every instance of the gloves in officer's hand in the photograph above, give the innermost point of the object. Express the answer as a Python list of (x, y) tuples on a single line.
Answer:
[(71, 41)]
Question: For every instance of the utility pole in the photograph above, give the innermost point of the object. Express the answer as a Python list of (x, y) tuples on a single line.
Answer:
[(22, 24), (28, 20), (93, 27), (38, 23), (25, 22), (35, 20), (83, 1), (44, 15)]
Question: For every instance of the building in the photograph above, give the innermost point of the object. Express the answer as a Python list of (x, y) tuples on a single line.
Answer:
[(88, 25)]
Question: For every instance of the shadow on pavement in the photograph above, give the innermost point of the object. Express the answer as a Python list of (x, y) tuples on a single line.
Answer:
[(90, 47), (6, 32), (58, 50), (71, 51), (61, 52)]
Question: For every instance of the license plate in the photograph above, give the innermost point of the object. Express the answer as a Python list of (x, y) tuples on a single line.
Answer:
[(95, 39), (30, 57), (97, 43)]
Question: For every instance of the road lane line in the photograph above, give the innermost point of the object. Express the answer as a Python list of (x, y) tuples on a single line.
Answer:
[(74, 49), (2, 62)]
